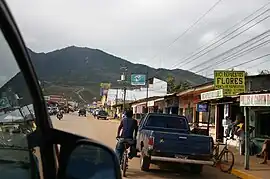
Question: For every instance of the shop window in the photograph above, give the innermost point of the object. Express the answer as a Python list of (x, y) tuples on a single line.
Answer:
[(212, 114), (263, 123)]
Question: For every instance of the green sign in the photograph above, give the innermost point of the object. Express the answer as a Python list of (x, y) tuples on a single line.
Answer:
[(4, 103), (138, 79)]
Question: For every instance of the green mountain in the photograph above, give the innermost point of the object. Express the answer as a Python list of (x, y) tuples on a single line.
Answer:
[(76, 70)]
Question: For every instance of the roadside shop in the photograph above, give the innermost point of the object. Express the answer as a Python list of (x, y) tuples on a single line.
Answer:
[(257, 114), (227, 104)]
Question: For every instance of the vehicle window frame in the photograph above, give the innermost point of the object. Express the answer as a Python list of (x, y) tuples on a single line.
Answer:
[(16, 44), (176, 116)]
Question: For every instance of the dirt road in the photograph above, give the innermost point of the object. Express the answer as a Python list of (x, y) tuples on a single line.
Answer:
[(105, 132)]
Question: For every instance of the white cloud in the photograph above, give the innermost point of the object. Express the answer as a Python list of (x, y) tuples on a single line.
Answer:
[(134, 29)]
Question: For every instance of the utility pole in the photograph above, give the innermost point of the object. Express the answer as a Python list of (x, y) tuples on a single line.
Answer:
[(116, 101), (123, 81), (124, 102), (116, 96), (147, 88)]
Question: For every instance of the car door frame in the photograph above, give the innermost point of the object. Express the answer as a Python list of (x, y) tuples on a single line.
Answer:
[(14, 39)]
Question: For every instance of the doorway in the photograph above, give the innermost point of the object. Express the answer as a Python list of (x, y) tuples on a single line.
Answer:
[(220, 117)]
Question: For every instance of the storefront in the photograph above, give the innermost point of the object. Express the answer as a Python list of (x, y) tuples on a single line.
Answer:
[(189, 99), (171, 104), (257, 107), (220, 106), (159, 105), (211, 116)]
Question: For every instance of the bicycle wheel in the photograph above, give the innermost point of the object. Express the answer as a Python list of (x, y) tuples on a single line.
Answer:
[(124, 164), (226, 161)]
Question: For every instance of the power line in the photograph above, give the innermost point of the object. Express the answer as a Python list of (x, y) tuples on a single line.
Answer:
[(246, 44), (242, 53), (189, 59), (250, 67), (246, 62), (191, 26), (227, 41)]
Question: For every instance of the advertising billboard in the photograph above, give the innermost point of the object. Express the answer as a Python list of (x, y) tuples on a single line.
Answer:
[(138, 79), (232, 82)]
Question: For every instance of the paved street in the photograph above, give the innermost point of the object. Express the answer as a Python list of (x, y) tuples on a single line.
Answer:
[(105, 131)]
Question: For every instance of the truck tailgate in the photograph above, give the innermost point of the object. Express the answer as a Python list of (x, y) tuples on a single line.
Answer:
[(181, 143)]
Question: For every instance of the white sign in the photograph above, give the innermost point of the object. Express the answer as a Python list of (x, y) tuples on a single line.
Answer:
[(216, 94), (150, 103), (255, 100)]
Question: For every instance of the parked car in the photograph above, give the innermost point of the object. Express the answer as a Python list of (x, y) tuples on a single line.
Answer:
[(82, 112), (102, 115), (95, 112), (167, 138)]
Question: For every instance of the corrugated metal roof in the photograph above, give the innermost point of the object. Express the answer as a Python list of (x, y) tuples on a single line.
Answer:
[(255, 92)]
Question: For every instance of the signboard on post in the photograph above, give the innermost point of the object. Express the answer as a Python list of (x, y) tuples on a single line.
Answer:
[(138, 79), (4, 103), (232, 82), (202, 107), (255, 100), (215, 94)]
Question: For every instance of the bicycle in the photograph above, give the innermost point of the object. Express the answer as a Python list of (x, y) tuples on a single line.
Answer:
[(225, 152), (124, 161)]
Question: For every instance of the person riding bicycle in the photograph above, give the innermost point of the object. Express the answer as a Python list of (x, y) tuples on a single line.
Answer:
[(129, 127)]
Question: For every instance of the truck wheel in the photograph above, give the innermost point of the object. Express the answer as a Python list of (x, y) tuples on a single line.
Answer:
[(145, 162), (196, 169)]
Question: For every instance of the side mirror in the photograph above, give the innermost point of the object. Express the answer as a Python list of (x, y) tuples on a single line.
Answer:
[(92, 160)]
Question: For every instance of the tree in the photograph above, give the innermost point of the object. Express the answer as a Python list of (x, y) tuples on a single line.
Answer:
[(173, 87), (264, 72), (170, 84)]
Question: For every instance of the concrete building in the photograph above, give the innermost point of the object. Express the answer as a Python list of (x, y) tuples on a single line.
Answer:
[(157, 87)]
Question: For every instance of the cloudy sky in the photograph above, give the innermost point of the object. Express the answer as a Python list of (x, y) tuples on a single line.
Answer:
[(142, 31)]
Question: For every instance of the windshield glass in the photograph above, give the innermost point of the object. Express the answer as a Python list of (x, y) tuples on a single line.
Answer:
[(16, 110), (102, 112), (172, 122)]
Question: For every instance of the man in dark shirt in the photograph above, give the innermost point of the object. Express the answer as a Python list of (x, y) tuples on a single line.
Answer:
[(128, 128)]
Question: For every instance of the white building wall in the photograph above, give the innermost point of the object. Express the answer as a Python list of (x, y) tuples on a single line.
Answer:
[(158, 88)]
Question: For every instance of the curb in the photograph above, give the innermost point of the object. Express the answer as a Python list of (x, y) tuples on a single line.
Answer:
[(243, 175)]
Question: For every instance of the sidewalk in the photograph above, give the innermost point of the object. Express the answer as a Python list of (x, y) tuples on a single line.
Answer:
[(256, 171)]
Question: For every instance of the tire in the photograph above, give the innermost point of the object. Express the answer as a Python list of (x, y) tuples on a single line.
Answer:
[(124, 164), (230, 164), (145, 162), (196, 168)]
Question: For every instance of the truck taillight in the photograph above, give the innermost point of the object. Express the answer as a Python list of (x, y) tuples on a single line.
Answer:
[(151, 141)]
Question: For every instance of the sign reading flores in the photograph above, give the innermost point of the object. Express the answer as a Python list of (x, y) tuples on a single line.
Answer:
[(232, 82), (138, 79)]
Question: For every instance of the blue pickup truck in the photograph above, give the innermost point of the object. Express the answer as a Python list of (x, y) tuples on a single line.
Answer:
[(166, 138)]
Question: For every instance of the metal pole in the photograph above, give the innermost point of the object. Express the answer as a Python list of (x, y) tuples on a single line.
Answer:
[(147, 89), (124, 103), (116, 101), (246, 114), (116, 97), (209, 117)]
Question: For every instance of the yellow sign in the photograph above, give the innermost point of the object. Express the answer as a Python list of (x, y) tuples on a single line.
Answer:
[(232, 82)]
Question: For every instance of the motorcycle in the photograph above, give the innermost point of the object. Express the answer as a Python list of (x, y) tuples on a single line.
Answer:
[(59, 115)]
